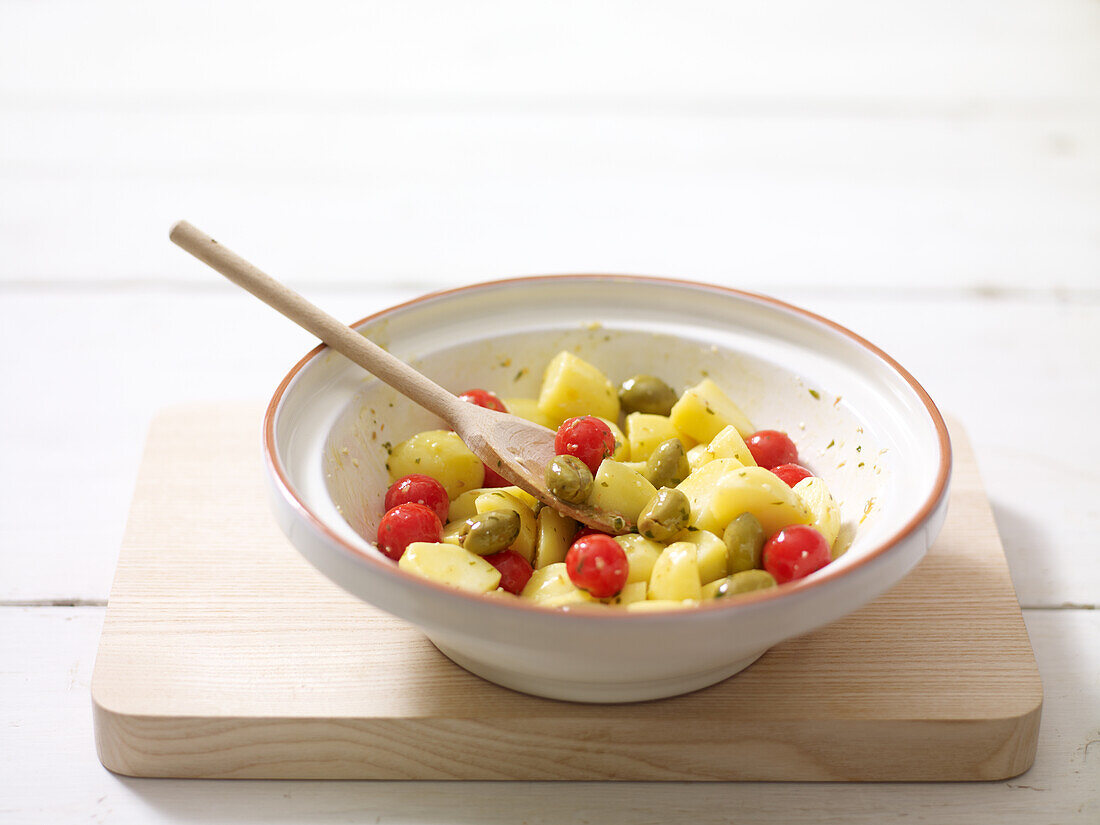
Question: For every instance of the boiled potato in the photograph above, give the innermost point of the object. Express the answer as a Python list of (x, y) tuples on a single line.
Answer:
[(450, 565), (464, 506), (619, 489), (451, 531), (817, 498), (704, 410), (555, 534), (641, 554), (710, 552), (551, 584), (729, 444), (528, 529), (676, 574), (528, 408), (441, 455), (571, 387), (699, 455), (645, 432), (622, 446), (723, 489), (632, 592)]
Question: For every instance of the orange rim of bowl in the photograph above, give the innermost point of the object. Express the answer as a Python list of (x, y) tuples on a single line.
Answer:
[(817, 579)]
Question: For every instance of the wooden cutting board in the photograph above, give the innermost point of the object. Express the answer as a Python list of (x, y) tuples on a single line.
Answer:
[(225, 654)]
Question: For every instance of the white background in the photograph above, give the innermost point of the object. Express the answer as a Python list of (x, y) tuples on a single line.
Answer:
[(927, 174)]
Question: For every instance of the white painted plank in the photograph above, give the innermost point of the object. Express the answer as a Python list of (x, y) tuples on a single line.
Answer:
[(960, 52), (50, 773), (422, 199), (71, 428)]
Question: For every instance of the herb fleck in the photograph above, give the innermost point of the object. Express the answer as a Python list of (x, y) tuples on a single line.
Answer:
[(831, 443), (522, 372), (815, 394)]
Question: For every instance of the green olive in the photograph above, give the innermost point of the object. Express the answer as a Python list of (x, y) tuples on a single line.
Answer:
[(744, 538), (666, 515), (744, 582), (667, 465), (490, 532), (646, 394), (569, 478)]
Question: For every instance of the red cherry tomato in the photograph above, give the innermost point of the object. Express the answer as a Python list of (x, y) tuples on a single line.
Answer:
[(795, 552), (770, 448), (405, 524), (484, 398), (514, 570), (791, 474), (597, 564), (587, 438), (419, 489), (493, 478)]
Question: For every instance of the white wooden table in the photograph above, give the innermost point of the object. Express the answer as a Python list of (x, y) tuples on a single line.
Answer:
[(927, 174)]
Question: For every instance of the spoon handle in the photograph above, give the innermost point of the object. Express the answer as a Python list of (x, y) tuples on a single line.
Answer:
[(337, 335)]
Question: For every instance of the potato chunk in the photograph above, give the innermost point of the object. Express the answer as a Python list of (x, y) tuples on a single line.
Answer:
[(632, 592), (528, 408), (464, 506), (699, 455), (450, 565), (645, 432), (817, 498), (441, 455), (723, 489), (729, 444), (555, 534), (619, 489), (641, 555), (704, 410), (571, 387), (551, 586), (710, 552), (451, 532), (622, 446), (528, 530), (676, 574)]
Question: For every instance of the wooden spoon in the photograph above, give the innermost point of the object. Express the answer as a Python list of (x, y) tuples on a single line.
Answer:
[(517, 449)]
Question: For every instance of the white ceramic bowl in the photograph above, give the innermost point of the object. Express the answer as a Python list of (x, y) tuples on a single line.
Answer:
[(860, 422)]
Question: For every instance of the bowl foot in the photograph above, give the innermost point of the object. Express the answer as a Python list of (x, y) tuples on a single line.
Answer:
[(601, 692)]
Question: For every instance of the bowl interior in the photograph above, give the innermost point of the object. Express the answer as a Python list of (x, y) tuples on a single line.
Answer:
[(857, 422)]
